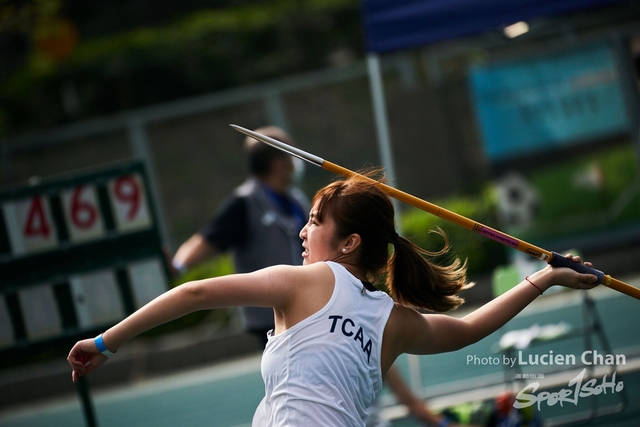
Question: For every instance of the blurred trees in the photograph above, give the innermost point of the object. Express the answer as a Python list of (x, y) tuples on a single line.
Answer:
[(64, 60)]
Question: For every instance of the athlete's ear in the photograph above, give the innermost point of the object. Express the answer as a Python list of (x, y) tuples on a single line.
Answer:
[(351, 243)]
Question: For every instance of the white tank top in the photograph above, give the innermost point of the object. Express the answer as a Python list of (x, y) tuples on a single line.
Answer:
[(325, 370)]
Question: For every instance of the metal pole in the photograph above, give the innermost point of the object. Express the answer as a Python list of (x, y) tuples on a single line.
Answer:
[(380, 115), (381, 121), (140, 145), (87, 403)]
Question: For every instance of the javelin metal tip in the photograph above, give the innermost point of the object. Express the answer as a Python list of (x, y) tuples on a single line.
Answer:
[(318, 161), (240, 129)]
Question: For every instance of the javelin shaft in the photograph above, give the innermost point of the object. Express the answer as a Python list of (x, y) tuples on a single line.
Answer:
[(551, 258)]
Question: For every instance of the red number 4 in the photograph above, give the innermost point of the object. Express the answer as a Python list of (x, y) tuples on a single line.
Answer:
[(36, 223)]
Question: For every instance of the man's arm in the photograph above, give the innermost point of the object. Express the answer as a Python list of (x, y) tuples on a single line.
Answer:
[(227, 229), (193, 251)]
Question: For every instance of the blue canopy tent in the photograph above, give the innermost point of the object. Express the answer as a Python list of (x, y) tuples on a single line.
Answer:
[(392, 25)]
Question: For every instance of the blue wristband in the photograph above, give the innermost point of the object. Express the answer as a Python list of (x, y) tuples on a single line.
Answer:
[(444, 422), (102, 348)]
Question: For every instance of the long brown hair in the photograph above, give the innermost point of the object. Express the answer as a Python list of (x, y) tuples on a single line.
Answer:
[(358, 205)]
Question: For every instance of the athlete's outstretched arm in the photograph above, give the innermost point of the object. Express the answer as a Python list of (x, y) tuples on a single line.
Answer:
[(270, 287), (435, 333)]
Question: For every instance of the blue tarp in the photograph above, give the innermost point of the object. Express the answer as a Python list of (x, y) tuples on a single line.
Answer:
[(399, 24)]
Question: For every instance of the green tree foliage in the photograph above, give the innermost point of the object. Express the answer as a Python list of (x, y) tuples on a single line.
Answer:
[(183, 53), (482, 254)]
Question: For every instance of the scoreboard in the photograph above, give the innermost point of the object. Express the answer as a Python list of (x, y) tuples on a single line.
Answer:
[(77, 254)]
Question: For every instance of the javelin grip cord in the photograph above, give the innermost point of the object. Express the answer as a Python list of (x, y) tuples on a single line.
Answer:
[(561, 261)]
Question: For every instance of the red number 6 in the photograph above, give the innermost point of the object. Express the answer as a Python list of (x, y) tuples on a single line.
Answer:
[(83, 213)]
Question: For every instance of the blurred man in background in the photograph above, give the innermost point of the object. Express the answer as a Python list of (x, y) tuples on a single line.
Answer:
[(259, 223)]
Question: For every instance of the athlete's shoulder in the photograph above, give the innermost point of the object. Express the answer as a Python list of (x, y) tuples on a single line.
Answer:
[(307, 272)]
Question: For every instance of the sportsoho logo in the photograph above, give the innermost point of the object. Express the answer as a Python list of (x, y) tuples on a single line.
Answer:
[(575, 390)]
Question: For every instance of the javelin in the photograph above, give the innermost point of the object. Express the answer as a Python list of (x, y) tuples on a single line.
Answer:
[(552, 258)]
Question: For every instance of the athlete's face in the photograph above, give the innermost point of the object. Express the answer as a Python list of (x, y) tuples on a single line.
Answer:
[(318, 239)]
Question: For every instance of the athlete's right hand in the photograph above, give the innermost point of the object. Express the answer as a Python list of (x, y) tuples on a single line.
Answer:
[(84, 358)]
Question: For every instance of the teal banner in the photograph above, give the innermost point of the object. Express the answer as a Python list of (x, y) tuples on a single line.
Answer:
[(536, 104)]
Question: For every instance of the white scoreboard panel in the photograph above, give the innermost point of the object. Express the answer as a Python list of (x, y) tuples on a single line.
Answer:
[(77, 254)]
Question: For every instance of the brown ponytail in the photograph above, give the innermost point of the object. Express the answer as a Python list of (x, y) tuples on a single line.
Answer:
[(358, 205), (414, 280)]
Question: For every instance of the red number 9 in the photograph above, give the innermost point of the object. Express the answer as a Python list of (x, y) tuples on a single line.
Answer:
[(127, 191)]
